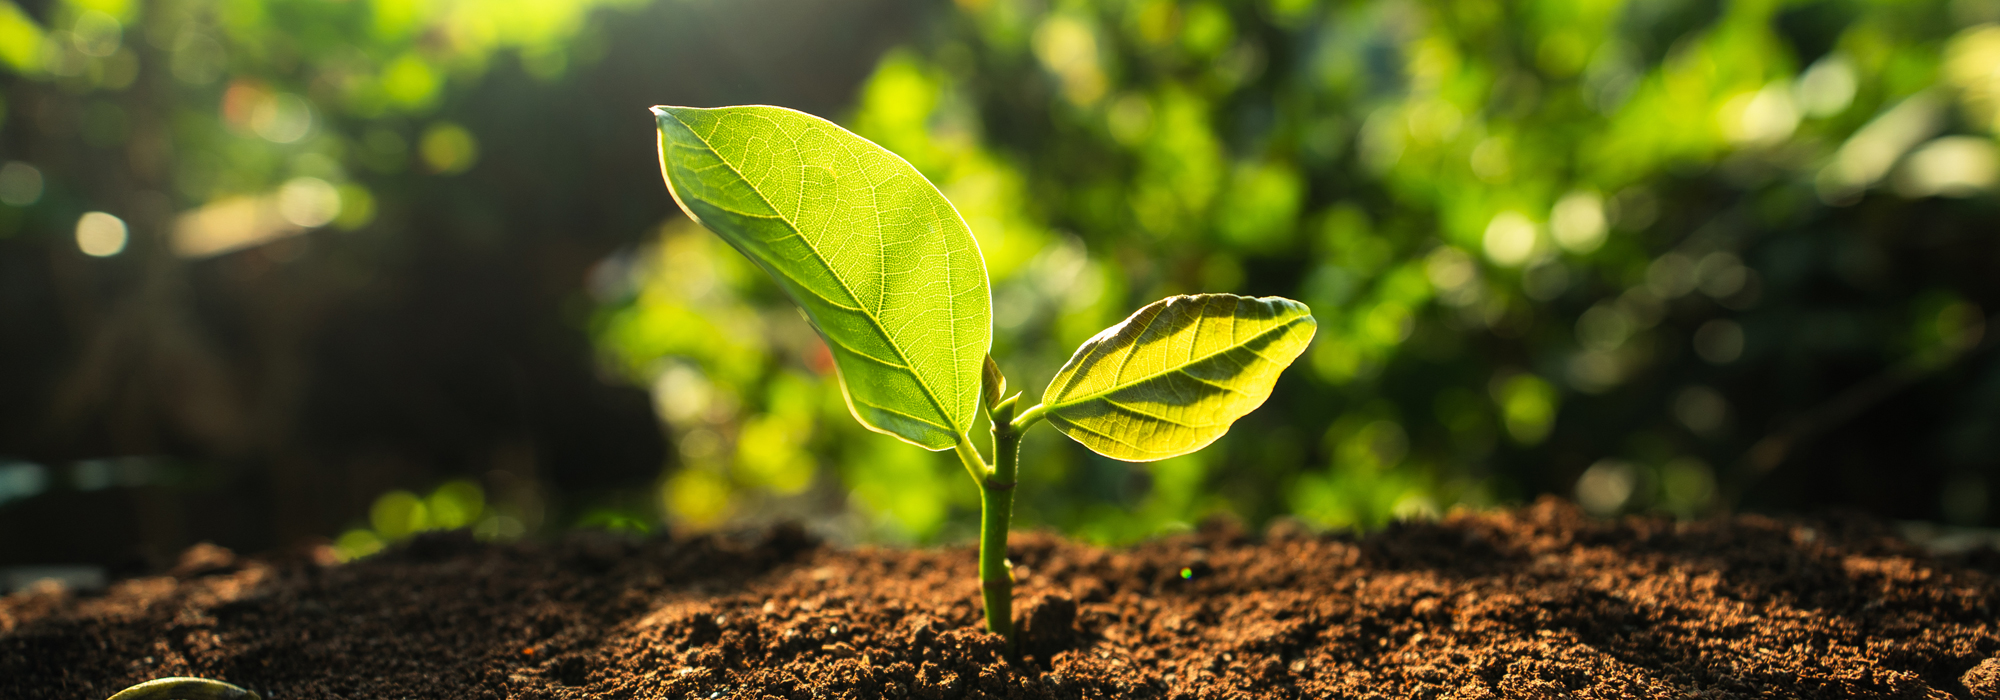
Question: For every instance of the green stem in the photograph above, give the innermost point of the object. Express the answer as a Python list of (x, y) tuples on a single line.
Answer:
[(1029, 417), (975, 465), (996, 509)]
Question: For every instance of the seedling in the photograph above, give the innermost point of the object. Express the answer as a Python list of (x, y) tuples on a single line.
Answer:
[(181, 688), (889, 274)]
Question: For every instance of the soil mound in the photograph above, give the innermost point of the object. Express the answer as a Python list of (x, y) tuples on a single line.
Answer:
[(1535, 603)]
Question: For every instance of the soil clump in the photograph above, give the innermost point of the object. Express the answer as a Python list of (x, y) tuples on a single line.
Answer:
[(1540, 602)]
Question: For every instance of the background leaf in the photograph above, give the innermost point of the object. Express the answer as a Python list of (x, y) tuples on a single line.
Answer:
[(1173, 377), (877, 257)]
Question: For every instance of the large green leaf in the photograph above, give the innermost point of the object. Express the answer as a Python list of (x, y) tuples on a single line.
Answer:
[(1174, 376), (876, 256)]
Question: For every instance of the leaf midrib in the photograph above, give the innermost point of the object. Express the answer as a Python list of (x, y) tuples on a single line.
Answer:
[(1065, 403), (929, 393)]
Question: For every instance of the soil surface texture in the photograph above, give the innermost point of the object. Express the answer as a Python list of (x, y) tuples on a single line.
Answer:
[(1540, 602)]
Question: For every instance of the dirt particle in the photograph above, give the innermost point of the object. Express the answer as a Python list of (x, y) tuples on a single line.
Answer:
[(1049, 626), (203, 559), (1983, 681)]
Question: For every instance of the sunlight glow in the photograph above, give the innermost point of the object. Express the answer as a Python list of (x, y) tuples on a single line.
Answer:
[(100, 235), (1578, 221), (1953, 166), (1511, 239)]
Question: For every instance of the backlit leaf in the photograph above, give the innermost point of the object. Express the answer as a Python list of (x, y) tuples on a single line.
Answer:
[(881, 262), (1173, 377)]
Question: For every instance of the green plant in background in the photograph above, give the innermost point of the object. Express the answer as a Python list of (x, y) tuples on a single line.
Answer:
[(891, 277), (1562, 235), (398, 515)]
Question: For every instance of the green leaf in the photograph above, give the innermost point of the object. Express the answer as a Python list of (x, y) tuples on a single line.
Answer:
[(880, 261), (1173, 377)]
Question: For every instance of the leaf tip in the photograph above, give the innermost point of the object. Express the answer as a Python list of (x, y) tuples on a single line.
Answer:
[(662, 113)]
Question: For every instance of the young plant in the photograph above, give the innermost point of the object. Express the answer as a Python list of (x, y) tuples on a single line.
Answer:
[(891, 277), (183, 688)]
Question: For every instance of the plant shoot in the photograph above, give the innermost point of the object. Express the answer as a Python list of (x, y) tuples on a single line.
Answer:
[(891, 277)]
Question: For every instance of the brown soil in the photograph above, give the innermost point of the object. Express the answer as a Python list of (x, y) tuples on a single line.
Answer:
[(1536, 603)]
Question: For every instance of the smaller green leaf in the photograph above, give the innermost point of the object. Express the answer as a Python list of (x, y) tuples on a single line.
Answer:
[(1172, 378), (992, 384)]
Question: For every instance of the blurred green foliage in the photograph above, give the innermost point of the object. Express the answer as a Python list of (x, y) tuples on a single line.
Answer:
[(286, 241), (1559, 245), (1675, 255), (453, 505), (281, 99)]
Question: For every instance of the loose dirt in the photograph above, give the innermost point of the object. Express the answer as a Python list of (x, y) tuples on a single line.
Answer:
[(1540, 602)]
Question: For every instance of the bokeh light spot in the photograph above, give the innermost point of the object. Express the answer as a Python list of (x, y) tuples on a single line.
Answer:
[(1762, 117), (282, 118), (308, 202), (1510, 239), (398, 514), (20, 184), (1827, 88), (96, 33), (410, 81), (448, 148), (1577, 222), (1719, 341), (1702, 409), (1953, 166), (1688, 485), (1606, 486), (1528, 404), (100, 235)]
